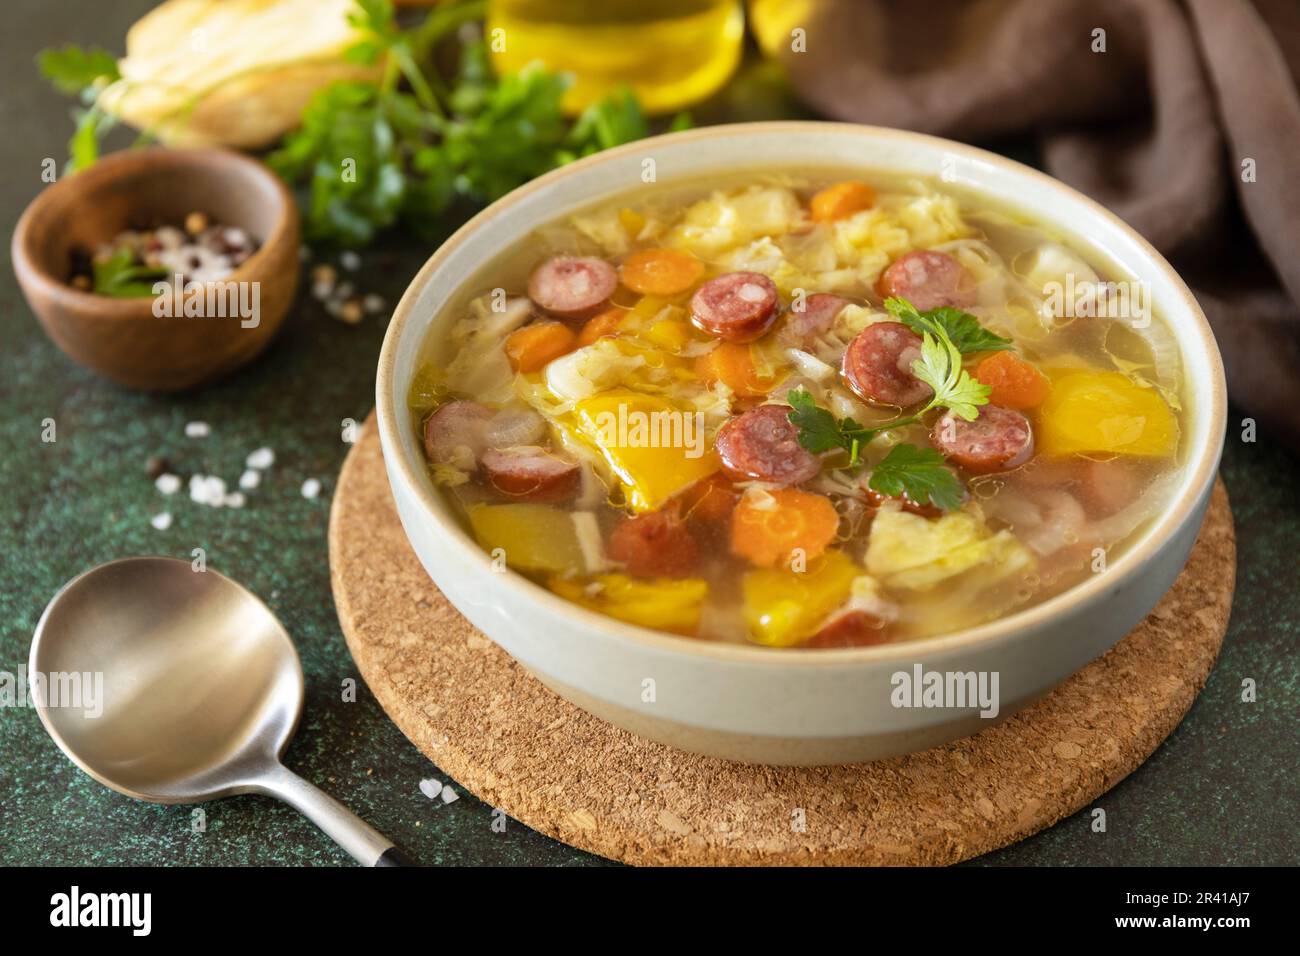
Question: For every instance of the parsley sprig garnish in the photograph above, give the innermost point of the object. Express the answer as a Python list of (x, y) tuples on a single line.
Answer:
[(962, 329), (919, 473)]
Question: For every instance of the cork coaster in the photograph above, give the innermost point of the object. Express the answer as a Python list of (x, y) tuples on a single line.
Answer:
[(484, 721)]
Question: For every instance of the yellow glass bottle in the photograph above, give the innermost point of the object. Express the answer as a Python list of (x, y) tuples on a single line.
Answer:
[(672, 53), (774, 23)]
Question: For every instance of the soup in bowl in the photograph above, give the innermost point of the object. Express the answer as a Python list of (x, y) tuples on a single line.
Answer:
[(714, 431)]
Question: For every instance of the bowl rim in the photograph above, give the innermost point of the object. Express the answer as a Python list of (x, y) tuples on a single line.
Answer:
[(203, 160), (1202, 463)]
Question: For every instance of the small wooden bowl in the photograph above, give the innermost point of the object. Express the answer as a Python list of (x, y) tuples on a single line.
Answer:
[(123, 339)]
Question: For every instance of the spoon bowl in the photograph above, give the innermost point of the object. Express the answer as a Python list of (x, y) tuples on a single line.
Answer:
[(175, 685)]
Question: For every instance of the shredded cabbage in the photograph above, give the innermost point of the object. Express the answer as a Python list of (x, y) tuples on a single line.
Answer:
[(591, 369), (480, 367), (915, 553)]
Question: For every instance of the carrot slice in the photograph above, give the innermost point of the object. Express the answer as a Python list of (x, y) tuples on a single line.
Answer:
[(1015, 382), (598, 326), (732, 364), (533, 346), (841, 200), (660, 271), (767, 533)]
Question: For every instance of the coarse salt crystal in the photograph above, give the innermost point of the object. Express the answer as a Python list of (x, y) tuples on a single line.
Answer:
[(373, 303), (167, 483), (198, 430), (250, 479), (349, 260), (261, 459), (310, 488), (431, 788), (233, 500), (161, 521), (449, 795)]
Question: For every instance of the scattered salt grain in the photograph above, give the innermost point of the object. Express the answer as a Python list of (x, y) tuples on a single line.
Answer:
[(198, 430), (233, 500), (373, 303), (349, 260), (161, 521), (167, 483), (261, 459), (207, 490), (250, 479), (449, 795), (431, 788), (310, 488)]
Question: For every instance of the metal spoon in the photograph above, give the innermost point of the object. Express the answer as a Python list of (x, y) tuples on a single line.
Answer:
[(201, 692)]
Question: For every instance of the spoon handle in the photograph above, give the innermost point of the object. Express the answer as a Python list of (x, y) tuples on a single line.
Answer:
[(367, 845)]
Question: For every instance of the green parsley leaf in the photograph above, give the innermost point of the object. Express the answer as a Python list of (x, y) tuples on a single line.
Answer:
[(609, 122), (819, 431), (72, 69), (919, 473), (962, 328), (121, 277), (940, 367)]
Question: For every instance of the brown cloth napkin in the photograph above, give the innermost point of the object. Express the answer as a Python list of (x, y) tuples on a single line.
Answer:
[(1157, 127)]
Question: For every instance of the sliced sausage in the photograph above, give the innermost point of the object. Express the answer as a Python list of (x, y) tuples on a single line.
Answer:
[(802, 328), (850, 629), (928, 280), (878, 365), (738, 306), (998, 440), (456, 434), (654, 545), (763, 445), (531, 473), (572, 287), (1108, 486)]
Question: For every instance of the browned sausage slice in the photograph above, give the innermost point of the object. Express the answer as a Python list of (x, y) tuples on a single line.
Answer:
[(763, 445), (456, 434), (531, 473), (572, 287), (998, 440), (654, 545), (928, 280), (850, 629), (802, 328), (878, 365), (738, 306)]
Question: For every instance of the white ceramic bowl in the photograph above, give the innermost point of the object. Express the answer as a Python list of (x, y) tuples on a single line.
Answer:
[(783, 706)]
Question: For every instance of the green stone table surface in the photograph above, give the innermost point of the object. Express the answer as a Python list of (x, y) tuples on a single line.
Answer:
[(1221, 790)]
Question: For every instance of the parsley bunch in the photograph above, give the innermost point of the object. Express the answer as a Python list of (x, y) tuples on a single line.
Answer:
[(84, 74), (920, 473), (375, 155)]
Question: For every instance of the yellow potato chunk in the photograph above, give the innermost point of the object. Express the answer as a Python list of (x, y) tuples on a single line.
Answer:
[(655, 449), (666, 604), (531, 537), (784, 607), (1104, 412)]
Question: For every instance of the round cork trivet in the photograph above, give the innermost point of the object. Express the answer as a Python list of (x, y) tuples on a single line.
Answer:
[(484, 721)]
